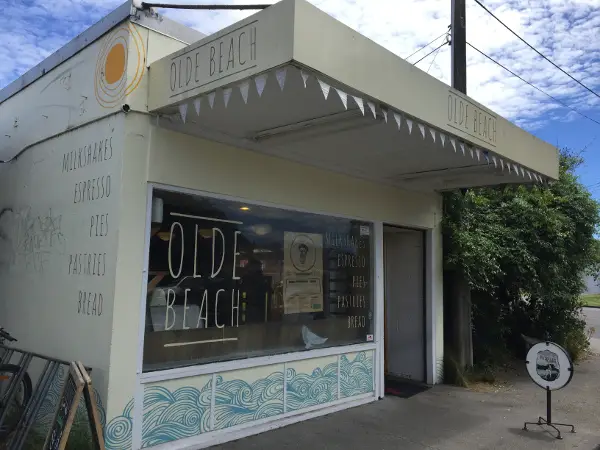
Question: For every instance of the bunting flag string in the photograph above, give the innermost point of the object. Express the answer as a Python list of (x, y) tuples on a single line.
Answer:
[(359, 102), (227, 95), (260, 81), (183, 111), (280, 74), (244, 90), (343, 97), (371, 106), (211, 99)]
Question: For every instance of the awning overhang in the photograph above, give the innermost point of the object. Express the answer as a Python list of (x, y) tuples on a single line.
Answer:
[(293, 82)]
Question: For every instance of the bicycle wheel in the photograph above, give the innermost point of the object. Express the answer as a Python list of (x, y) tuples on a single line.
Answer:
[(17, 405)]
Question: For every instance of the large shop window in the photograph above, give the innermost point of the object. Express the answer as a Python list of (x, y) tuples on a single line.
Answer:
[(230, 280)]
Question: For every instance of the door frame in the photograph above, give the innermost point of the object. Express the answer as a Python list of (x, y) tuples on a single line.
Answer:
[(389, 228)]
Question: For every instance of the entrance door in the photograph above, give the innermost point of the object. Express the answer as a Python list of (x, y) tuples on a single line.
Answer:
[(404, 303)]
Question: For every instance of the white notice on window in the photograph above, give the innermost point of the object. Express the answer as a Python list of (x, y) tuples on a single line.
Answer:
[(302, 273)]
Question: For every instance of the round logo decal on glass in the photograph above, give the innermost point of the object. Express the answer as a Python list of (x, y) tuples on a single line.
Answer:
[(549, 365), (303, 253)]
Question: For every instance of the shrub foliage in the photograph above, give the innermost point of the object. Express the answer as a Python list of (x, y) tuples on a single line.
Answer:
[(524, 251)]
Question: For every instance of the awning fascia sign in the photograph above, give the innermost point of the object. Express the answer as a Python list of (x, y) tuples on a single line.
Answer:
[(296, 32)]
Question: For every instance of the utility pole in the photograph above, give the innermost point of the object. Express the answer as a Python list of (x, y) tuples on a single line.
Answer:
[(457, 293), (459, 45)]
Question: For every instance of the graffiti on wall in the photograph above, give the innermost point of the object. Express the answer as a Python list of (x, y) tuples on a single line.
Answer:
[(28, 240)]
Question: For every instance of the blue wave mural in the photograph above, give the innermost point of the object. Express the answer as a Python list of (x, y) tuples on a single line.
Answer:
[(238, 402), (304, 390), (185, 412), (356, 376)]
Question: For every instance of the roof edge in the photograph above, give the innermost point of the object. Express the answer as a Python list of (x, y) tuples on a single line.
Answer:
[(124, 12)]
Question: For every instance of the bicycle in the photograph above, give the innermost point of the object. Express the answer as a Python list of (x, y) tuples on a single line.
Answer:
[(11, 409)]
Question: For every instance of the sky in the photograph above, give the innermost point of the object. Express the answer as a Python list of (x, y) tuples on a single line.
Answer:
[(566, 31)]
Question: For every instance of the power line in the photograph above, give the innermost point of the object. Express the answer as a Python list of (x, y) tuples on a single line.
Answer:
[(532, 85), (433, 60), (425, 46), (537, 51), (434, 50)]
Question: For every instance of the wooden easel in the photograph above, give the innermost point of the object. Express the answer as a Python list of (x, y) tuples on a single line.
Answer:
[(78, 382)]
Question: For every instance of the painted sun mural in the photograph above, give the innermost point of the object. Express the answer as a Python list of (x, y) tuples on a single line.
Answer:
[(111, 80)]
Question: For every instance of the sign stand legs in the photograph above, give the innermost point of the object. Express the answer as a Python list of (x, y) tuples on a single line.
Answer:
[(548, 420)]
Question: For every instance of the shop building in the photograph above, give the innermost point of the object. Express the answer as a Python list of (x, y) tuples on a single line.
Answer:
[(236, 231)]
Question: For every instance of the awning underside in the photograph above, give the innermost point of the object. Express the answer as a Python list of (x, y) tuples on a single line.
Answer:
[(295, 114)]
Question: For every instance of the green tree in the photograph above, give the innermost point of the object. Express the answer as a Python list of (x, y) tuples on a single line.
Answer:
[(524, 251)]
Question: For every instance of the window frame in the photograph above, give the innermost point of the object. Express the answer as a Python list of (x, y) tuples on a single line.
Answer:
[(236, 364)]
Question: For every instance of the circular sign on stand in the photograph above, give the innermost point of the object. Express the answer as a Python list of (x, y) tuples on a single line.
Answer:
[(549, 366)]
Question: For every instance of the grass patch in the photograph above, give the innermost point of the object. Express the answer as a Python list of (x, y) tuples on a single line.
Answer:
[(591, 300)]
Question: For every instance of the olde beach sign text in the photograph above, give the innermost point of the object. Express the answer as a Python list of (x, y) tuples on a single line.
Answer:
[(231, 54), (465, 116)]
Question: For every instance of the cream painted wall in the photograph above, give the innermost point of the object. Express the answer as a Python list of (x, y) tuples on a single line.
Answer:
[(58, 247), (181, 160)]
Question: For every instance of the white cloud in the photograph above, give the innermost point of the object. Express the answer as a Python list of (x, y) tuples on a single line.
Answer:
[(564, 30)]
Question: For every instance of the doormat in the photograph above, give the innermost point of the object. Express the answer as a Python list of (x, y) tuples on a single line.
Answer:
[(403, 389)]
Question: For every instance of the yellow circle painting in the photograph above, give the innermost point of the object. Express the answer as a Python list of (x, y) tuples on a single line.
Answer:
[(112, 82)]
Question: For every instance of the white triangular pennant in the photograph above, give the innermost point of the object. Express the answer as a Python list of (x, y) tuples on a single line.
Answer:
[(409, 123), (183, 111), (281, 74), (304, 76), (227, 95), (502, 164), (211, 99), (478, 153), (371, 106), (244, 89), (535, 176), (453, 142), (516, 168), (343, 97), (529, 174), (472, 154), (324, 88), (432, 131), (385, 114), (495, 161), (523, 172), (360, 103), (422, 129), (197, 104), (260, 82), (462, 147), (398, 118), (443, 139), (508, 165)]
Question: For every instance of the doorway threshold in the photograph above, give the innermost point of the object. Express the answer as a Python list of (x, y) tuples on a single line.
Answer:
[(403, 388)]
